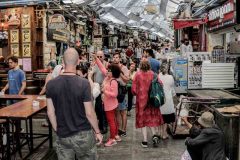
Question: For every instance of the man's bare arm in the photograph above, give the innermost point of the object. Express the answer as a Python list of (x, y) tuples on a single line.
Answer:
[(51, 113)]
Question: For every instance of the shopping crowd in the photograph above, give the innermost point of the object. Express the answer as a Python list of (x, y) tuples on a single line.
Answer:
[(86, 100)]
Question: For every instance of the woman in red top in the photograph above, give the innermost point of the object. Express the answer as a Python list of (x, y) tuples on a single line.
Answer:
[(110, 92), (146, 116)]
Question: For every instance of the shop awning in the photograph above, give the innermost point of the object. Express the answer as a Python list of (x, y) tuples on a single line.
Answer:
[(180, 23)]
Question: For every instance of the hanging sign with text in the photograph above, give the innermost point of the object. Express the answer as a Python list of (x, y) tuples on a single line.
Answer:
[(222, 17), (57, 21)]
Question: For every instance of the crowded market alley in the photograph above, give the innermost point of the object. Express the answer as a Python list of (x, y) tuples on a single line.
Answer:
[(120, 79)]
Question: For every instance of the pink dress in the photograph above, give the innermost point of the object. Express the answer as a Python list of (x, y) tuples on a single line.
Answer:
[(146, 116)]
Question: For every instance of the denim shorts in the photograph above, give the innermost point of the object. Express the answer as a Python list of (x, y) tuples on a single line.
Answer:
[(83, 145), (123, 106)]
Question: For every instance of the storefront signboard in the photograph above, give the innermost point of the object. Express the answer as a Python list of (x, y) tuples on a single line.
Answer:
[(57, 21), (222, 17), (58, 35)]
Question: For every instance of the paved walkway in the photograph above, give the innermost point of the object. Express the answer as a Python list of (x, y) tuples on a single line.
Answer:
[(129, 149)]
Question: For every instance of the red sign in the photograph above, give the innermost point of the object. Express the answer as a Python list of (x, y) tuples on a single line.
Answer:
[(180, 24), (222, 16)]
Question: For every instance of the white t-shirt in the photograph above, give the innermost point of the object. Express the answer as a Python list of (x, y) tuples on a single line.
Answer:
[(138, 52)]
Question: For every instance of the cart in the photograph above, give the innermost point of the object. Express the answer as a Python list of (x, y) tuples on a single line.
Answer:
[(195, 107)]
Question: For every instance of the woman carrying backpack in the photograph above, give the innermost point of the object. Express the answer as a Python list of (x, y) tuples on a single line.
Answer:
[(146, 115), (167, 110), (110, 101)]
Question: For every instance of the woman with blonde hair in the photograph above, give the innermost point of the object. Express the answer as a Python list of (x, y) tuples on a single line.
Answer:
[(146, 115)]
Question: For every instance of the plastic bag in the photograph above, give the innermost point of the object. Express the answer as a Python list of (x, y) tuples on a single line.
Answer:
[(186, 156)]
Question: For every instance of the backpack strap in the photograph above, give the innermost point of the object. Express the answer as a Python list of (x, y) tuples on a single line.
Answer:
[(112, 80), (155, 77)]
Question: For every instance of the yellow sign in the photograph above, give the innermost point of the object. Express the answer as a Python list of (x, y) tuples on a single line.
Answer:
[(14, 36), (26, 23), (26, 50), (26, 35), (15, 49)]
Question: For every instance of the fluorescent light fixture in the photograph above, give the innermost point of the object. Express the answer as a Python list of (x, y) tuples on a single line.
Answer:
[(79, 1), (67, 1)]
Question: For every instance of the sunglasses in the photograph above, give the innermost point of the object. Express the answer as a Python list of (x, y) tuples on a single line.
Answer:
[(99, 56)]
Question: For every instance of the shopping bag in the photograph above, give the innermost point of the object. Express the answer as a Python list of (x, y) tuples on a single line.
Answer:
[(186, 156)]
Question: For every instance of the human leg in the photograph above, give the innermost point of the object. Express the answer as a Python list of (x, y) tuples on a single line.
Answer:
[(130, 99), (124, 120), (100, 115), (63, 150), (144, 132), (165, 134), (122, 107), (155, 137), (112, 123), (145, 141), (85, 145)]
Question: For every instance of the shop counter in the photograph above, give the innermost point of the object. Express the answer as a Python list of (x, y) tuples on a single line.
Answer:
[(23, 110)]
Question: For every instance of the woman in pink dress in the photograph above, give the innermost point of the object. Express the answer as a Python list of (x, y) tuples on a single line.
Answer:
[(146, 116)]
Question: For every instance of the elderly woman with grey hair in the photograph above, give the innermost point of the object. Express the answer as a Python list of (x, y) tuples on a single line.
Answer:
[(167, 110)]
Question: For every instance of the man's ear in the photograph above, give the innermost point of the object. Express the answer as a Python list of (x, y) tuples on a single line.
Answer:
[(78, 61)]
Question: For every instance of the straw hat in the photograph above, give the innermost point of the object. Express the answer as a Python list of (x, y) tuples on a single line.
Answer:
[(206, 119)]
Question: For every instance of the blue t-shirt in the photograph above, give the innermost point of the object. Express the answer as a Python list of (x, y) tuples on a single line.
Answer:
[(155, 65), (15, 79)]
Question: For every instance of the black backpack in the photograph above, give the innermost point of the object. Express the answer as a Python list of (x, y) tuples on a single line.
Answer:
[(122, 90)]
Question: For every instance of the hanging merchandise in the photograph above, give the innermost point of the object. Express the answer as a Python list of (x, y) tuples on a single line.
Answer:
[(218, 55), (195, 60)]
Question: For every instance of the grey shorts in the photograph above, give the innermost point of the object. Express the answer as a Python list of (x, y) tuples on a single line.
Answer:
[(123, 106), (83, 145)]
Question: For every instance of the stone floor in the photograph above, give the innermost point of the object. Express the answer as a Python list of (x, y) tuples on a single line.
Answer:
[(128, 149)]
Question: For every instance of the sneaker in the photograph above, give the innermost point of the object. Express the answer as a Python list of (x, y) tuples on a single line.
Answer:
[(156, 141), (110, 143), (122, 133), (144, 144), (118, 139)]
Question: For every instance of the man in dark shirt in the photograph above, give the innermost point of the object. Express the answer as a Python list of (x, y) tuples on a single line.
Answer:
[(210, 140), (70, 110)]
